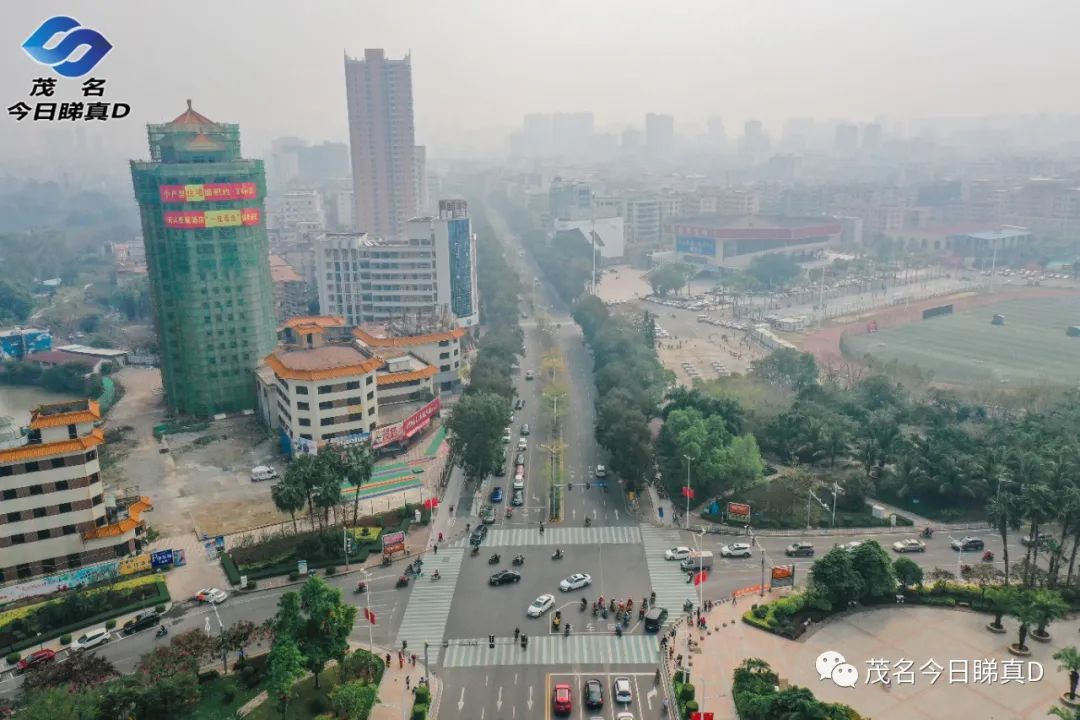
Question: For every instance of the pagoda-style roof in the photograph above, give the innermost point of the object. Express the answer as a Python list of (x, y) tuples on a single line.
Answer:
[(203, 142), (190, 117)]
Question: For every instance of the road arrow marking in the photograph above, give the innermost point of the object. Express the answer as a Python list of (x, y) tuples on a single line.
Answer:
[(573, 514), (461, 700), (649, 696), (498, 702), (616, 516), (529, 702), (594, 513)]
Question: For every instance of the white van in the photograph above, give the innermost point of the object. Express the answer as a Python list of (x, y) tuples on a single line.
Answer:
[(91, 639), (259, 473)]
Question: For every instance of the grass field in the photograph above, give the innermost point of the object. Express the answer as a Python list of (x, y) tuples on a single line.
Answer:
[(1031, 348)]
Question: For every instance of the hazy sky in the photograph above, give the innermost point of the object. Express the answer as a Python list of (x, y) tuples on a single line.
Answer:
[(276, 67)]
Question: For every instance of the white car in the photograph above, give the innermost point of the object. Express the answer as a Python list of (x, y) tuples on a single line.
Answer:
[(677, 553), (213, 596), (624, 716), (259, 473), (575, 582), (523, 444), (622, 691), (601, 471), (91, 639), (849, 546), (909, 545), (541, 605), (736, 550)]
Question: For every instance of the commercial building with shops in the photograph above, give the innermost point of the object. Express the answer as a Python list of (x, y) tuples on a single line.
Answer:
[(714, 242), (54, 512), (323, 385)]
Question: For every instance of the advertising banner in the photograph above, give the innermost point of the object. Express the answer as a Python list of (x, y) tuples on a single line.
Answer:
[(393, 542), (179, 557), (783, 576), (202, 219), (62, 581), (739, 512), (419, 419), (209, 192), (301, 567), (137, 564), (160, 558), (386, 435)]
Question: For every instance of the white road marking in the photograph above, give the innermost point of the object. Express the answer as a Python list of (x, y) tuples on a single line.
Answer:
[(530, 700), (461, 700), (498, 701)]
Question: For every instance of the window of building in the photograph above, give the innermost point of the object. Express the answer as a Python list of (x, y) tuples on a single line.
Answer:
[(73, 432), (304, 422), (65, 507), (444, 356), (9, 495), (40, 512), (326, 421), (14, 516), (48, 566), (62, 485), (74, 560), (32, 466), (444, 368), (92, 455), (18, 539), (305, 436), (97, 500), (69, 529), (302, 406), (369, 380), (44, 534), (36, 490), (323, 389), (121, 549), (301, 390), (326, 405), (6, 471), (100, 521), (57, 463), (352, 385), (370, 411), (23, 571), (371, 395)]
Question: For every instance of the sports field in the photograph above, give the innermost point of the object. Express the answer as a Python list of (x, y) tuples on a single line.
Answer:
[(1031, 348)]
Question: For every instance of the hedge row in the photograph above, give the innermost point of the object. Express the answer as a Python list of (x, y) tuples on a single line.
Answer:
[(160, 598), (234, 573)]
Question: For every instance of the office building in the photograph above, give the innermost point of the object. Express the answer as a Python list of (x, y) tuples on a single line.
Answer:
[(381, 143), (290, 290), (871, 137), (57, 514), (431, 273), (570, 200), (714, 242), (847, 139), (420, 177), (207, 257), (659, 132)]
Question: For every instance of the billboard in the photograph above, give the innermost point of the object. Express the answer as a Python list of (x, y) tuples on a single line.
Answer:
[(937, 311), (386, 435), (420, 418), (160, 558), (739, 512), (393, 542), (695, 245), (137, 564), (62, 581), (202, 219), (208, 192), (783, 576)]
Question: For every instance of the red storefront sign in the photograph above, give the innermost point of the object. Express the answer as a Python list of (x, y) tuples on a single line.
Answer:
[(386, 435), (202, 219), (739, 512), (419, 419), (208, 192)]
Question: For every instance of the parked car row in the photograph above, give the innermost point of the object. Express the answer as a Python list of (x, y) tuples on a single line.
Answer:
[(592, 693)]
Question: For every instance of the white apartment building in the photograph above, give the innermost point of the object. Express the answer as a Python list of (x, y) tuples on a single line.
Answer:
[(55, 514)]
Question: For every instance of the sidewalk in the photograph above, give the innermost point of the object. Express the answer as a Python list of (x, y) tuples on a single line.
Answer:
[(395, 699)]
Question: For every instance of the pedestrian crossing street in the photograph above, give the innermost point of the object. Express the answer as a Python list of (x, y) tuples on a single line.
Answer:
[(668, 581), (429, 603), (555, 650), (561, 536)]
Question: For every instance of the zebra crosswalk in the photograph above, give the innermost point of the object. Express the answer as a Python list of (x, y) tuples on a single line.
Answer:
[(555, 650), (561, 536), (668, 581), (429, 603)]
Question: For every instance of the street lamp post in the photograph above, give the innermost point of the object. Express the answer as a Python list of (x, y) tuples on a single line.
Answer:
[(687, 491)]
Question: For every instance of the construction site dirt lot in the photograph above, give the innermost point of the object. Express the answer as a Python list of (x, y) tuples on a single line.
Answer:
[(202, 483)]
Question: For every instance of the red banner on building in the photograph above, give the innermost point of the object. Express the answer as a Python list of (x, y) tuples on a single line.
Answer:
[(415, 422), (386, 435), (208, 192), (202, 219), (783, 576)]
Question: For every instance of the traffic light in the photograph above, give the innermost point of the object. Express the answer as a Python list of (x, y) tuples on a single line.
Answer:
[(491, 641)]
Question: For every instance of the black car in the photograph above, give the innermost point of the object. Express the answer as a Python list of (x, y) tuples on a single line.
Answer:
[(503, 577), (142, 621), (518, 499), (967, 543), (519, 404), (478, 535), (594, 694), (654, 619)]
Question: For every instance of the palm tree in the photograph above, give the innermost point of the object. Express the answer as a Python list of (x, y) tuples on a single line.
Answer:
[(326, 491), (358, 468), (1046, 607), (1069, 659), (1002, 600), (288, 497), (302, 472), (1037, 502), (1065, 713), (1022, 610)]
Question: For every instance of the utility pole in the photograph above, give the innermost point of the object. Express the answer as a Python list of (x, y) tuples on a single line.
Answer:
[(687, 491)]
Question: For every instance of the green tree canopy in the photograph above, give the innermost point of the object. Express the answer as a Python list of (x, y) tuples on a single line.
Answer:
[(476, 426)]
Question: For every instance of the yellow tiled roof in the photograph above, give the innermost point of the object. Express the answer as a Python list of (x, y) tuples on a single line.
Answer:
[(322, 366), (135, 511), (43, 450), (407, 376), (92, 413), (376, 341)]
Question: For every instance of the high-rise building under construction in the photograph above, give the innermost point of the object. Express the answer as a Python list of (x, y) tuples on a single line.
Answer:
[(208, 260)]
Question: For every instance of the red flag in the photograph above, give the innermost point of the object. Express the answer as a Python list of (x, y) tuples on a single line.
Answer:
[(700, 577), (688, 492), (431, 503), (369, 615), (701, 716)]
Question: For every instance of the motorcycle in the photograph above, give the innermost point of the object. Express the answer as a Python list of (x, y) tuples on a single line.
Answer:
[(402, 581), (519, 560), (584, 604), (509, 512), (162, 632), (927, 533), (475, 551), (988, 556), (557, 555), (360, 588), (566, 630), (436, 576), (494, 559), (688, 606), (385, 561), (588, 522), (618, 630)]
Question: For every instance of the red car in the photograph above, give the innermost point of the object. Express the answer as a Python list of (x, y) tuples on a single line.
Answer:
[(38, 657), (561, 701)]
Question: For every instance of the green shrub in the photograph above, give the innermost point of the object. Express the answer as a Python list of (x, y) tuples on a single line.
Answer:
[(331, 570), (159, 609), (679, 676), (294, 576), (250, 676), (13, 658), (760, 611), (379, 522), (228, 694), (110, 624), (423, 695), (419, 712), (365, 531), (252, 584), (691, 706), (687, 693), (318, 705), (65, 639), (207, 675)]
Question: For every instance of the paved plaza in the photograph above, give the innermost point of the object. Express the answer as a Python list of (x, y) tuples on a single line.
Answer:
[(916, 634)]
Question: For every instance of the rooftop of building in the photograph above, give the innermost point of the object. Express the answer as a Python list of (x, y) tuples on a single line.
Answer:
[(60, 357), (751, 221), (321, 363), (314, 323), (190, 117), (282, 271), (383, 336), (991, 231), (53, 449), (19, 331), (71, 412), (97, 352)]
